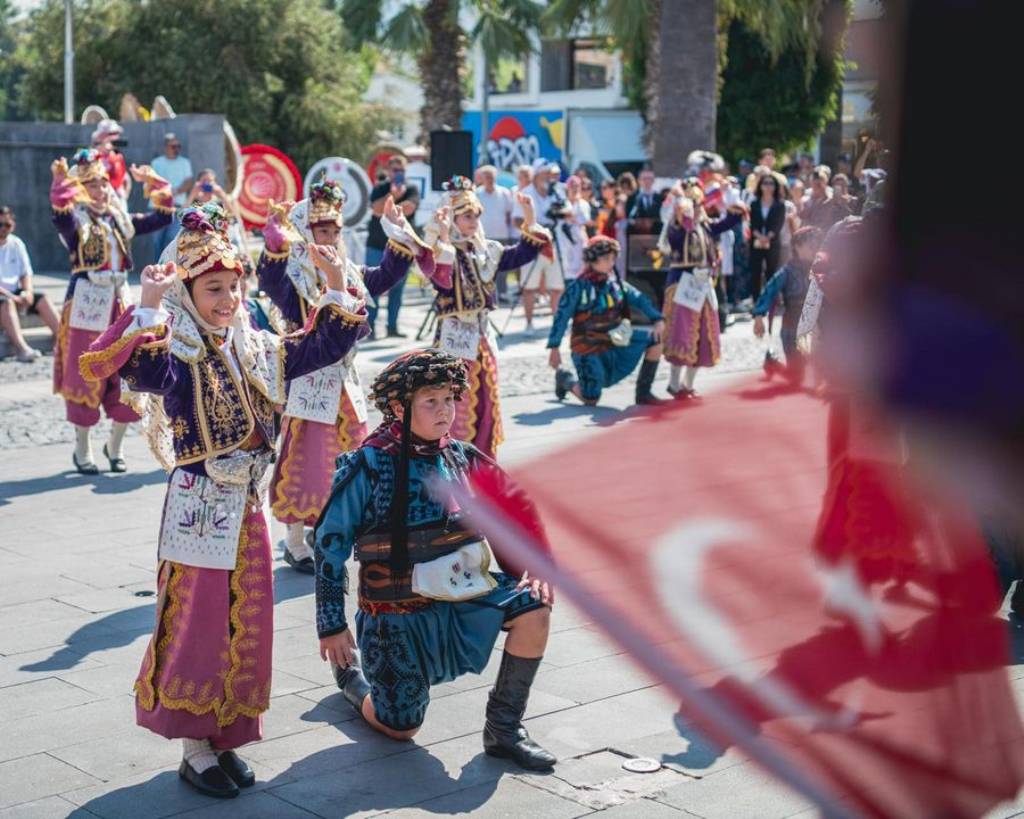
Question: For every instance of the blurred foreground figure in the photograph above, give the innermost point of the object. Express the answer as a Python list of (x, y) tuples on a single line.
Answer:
[(813, 605)]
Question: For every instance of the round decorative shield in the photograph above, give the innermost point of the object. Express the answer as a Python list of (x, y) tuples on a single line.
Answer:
[(353, 181), (266, 174)]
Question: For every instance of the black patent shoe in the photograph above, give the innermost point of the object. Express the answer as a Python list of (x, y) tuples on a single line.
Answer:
[(305, 566), (236, 768), (211, 782), (519, 747), (88, 468), (116, 464)]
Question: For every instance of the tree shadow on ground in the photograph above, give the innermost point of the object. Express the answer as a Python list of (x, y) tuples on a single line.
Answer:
[(103, 484), (114, 630)]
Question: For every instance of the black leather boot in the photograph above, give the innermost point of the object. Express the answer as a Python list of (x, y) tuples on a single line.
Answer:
[(352, 684), (564, 381), (504, 734), (644, 382)]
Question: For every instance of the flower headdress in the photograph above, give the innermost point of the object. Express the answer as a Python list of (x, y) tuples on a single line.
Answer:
[(202, 246), (326, 202), (460, 193), (87, 165)]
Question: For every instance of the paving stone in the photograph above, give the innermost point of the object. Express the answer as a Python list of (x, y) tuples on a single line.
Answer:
[(129, 753), (370, 788), (577, 645), (290, 714), (40, 696), (643, 808), (162, 794), (599, 781), (607, 723), (505, 799), (36, 664), (33, 777), (690, 753), (594, 679), (105, 680), (94, 720), (260, 805), (52, 807), (738, 792)]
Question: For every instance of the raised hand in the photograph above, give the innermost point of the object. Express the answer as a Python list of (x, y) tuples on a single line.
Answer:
[(392, 212), (156, 280), (526, 203), (443, 217), (59, 169), (331, 263), (278, 211)]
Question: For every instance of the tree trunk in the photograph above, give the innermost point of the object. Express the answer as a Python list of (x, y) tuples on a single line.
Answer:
[(439, 69), (833, 28), (681, 100)]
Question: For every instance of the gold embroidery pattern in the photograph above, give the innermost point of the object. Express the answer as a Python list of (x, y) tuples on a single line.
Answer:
[(689, 353), (180, 694), (62, 367), (298, 493), (95, 366)]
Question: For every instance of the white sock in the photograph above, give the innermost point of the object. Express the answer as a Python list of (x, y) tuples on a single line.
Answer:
[(83, 446), (689, 377), (199, 754), (116, 442), (295, 541), (673, 377)]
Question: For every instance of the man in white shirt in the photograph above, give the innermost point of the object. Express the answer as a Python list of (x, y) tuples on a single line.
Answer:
[(16, 295), (570, 232), (177, 170), (497, 217), (545, 274)]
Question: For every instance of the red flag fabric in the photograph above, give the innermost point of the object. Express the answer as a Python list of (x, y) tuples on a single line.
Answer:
[(768, 558)]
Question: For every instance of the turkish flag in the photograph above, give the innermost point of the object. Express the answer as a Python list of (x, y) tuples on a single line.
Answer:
[(769, 557)]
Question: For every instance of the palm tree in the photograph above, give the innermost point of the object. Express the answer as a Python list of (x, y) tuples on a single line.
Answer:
[(433, 32), (672, 50)]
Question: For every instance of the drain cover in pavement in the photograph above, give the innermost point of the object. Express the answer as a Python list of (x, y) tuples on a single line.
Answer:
[(642, 764)]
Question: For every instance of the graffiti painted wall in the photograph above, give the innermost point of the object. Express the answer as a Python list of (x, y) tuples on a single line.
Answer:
[(519, 137)]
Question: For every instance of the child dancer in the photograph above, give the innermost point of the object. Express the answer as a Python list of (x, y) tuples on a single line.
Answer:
[(207, 384), (97, 231), (429, 608), (464, 280), (326, 411)]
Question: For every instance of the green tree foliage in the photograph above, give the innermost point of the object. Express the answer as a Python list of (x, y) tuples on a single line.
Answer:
[(12, 67), (281, 71), (779, 103), (432, 31)]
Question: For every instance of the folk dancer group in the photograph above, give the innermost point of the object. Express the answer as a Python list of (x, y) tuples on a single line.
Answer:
[(211, 390)]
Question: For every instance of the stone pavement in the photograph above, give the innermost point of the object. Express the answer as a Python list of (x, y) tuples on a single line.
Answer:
[(76, 610)]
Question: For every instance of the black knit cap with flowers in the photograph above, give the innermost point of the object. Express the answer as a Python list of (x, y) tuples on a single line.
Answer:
[(413, 371)]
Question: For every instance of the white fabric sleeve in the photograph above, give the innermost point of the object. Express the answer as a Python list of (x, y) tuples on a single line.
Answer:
[(145, 317), (346, 301)]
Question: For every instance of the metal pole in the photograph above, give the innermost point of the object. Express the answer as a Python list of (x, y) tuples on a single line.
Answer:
[(485, 111), (69, 66)]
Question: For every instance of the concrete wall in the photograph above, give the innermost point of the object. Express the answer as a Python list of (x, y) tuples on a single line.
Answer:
[(28, 148)]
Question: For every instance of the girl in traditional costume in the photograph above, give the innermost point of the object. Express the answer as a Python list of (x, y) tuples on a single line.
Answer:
[(464, 281), (207, 383), (326, 410), (97, 232), (429, 608), (692, 330), (605, 346)]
